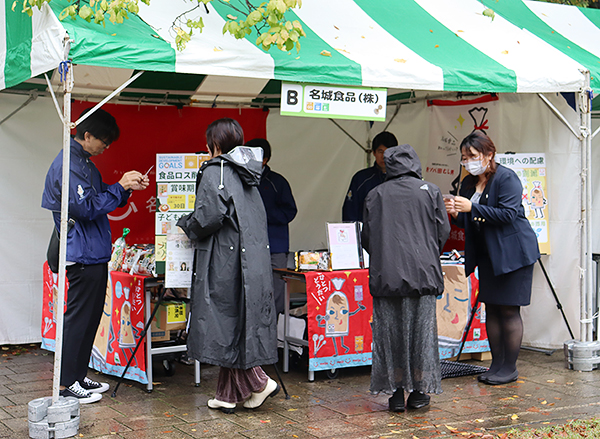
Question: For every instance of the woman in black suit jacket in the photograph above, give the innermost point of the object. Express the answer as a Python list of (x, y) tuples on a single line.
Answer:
[(500, 241)]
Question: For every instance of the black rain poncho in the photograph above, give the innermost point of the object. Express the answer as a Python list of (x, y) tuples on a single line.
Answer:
[(404, 255), (233, 312)]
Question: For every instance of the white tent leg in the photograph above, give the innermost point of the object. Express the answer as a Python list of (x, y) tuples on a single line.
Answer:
[(64, 217), (583, 354), (586, 130)]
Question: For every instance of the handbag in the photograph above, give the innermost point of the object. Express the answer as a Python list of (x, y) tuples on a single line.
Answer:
[(54, 246)]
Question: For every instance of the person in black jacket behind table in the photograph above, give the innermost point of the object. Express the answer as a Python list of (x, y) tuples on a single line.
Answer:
[(280, 206), (500, 241), (366, 179), (405, 228)]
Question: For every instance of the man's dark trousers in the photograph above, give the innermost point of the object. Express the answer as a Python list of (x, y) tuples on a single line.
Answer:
[(85, 303)]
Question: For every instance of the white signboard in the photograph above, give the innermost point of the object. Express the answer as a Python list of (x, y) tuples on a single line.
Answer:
[(344, 247), (332, 101)]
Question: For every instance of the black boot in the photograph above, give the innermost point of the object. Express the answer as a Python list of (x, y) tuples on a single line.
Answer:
[(396, 402), (417, 400)]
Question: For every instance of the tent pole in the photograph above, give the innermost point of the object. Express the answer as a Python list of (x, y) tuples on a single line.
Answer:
[(560, 116), (586, 283), (67, 73), (587, 131)]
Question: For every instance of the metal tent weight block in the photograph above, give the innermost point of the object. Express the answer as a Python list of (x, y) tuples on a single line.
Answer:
[(582, 355), (53, 421)]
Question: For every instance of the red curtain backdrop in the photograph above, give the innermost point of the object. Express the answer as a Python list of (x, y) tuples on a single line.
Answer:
[(150, 130)]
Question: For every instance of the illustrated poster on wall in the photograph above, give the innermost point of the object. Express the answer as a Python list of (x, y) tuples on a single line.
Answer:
[(451, 122), (175, 194), (531, 169), (340, 313)]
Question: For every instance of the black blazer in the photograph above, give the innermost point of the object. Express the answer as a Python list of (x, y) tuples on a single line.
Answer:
[(500, 217)]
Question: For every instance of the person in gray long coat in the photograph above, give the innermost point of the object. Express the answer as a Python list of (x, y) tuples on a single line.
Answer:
[(233, 311), (405, 228)]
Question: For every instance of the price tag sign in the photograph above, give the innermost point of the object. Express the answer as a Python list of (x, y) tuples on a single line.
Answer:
[(176, 202)]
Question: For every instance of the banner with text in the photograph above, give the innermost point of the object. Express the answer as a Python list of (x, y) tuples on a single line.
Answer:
[(175, 197), (332, 101), (451, 122)]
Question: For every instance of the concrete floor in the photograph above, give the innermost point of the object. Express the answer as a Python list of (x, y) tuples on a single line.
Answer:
[(546, 393)]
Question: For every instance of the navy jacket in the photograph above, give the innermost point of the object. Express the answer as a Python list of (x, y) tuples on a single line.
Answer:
[(90, 200), (510, 240), (362, 183), (281, 208)]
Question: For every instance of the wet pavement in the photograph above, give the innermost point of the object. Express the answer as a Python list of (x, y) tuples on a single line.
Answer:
[(546, 393)]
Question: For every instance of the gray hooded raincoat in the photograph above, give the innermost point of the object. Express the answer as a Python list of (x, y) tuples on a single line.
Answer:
[(405, 227), (233, 312)]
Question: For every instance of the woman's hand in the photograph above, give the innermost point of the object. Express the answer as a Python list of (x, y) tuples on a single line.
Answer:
[(450, 207), (462, 204)]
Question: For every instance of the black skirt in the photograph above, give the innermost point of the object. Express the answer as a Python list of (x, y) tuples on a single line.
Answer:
[(513, 289)]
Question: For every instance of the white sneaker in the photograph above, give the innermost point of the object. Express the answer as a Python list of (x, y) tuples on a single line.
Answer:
[(94, 386), (84, 396), (225, 407), (257, 399)]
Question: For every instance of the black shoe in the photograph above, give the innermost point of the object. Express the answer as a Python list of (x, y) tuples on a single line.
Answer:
[(417, 400), (481, 378), (396, 402), (84, 396), (94, 386), (497, 380)]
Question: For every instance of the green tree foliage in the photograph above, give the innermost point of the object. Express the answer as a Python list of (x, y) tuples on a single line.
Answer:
[(267, 18), (581, 3)]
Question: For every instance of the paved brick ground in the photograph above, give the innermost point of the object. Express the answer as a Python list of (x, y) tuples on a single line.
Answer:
[(546, 393)]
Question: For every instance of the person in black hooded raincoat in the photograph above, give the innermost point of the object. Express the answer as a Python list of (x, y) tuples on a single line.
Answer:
[(233, 311), (405, 228)]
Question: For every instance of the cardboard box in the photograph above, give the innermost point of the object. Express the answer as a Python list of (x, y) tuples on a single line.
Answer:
[(171, 316), (159, 334)]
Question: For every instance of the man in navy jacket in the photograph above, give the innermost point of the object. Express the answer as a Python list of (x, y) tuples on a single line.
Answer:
[(88, 245), (281, 209), (366, 179)]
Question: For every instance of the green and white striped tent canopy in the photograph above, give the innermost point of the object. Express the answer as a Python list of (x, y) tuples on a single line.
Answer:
[(443, 45)]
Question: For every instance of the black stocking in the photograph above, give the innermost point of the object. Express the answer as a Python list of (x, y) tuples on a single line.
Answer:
[(505, 333), (494, 333)]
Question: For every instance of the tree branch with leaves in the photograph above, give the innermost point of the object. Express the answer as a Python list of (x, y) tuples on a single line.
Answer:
[(268, 18)]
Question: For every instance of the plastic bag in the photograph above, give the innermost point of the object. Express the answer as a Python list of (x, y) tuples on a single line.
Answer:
[(119, 247)]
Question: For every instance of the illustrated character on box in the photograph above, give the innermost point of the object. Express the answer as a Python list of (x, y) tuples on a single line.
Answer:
[(336, 320), (126, 339), (104, 334), (128, 333), (538, 201)]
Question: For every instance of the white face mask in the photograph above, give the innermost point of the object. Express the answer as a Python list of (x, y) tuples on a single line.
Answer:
[(475, 167)]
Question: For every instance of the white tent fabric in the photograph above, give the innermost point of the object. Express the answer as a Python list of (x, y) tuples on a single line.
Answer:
[(318, 160), (515, 57)]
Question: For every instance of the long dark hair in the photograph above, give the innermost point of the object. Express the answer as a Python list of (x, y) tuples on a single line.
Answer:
[(481, 143), (224, 133)]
